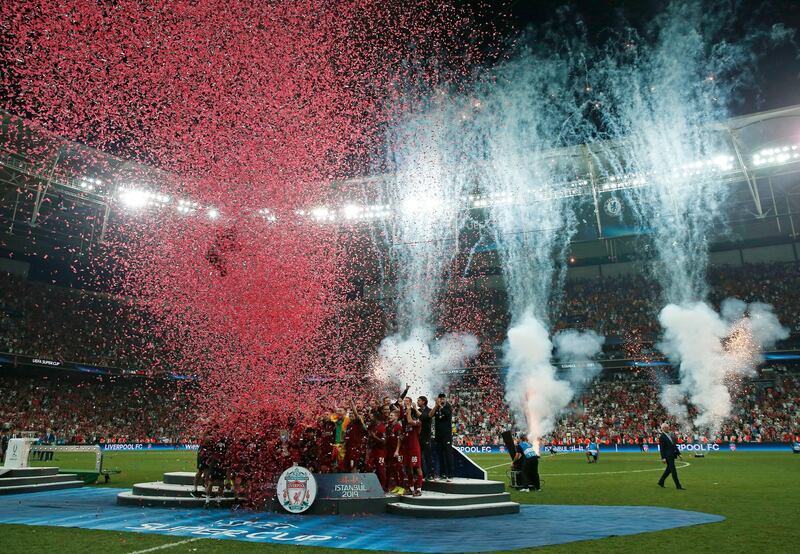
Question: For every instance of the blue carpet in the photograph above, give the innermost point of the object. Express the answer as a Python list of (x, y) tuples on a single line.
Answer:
[(95, 508)]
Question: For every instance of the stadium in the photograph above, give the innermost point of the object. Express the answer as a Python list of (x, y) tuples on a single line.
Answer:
[(418, 276)]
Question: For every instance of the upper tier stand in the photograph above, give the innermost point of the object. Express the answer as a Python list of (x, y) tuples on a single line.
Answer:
[(36, 479), (460, 498)]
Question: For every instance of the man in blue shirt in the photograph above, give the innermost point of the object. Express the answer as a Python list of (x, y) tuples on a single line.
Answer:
[(592, 450), (526, 453)]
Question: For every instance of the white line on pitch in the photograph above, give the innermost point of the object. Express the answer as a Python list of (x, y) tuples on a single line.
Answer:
[(168, 545), (498, 465), (509, 463), (687, 464)]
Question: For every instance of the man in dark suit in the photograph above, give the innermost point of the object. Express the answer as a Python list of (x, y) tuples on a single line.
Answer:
[(669, 451), (425, 436), (442, 414)]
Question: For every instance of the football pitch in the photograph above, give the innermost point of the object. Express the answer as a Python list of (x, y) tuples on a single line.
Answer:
[(757, 493)]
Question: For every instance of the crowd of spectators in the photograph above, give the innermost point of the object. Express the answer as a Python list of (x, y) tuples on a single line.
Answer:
[(92, 410), (624, 309), (79, 326), (74, 325), (619, 408), (624, 408)]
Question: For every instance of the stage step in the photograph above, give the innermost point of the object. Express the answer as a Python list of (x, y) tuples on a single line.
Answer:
[(130, 499), (429, 498), (40, 487), (37, 479), (179, 478), (461, 485), (159, 488), (469, 510), (28, 472)]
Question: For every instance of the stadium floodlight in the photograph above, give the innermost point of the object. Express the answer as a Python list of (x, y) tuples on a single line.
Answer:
[(322, 213), (134, 199), (417, 205), (777, 156), (351, 211), (89, 183), (267, 214), (187, 206)]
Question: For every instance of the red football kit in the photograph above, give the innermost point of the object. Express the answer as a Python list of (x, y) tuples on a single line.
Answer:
[(412, 453), (395, 463), (377, 451), (355, 447)]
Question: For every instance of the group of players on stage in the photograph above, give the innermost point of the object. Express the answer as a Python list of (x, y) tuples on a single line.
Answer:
[(390, 438)]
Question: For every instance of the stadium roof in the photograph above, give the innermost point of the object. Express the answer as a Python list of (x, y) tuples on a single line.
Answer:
[(39, 171)]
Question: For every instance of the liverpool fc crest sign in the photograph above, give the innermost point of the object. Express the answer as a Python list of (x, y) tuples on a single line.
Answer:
[(297, 489)]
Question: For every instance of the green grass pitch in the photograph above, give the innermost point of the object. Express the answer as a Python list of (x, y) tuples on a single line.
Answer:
[(758, 493)]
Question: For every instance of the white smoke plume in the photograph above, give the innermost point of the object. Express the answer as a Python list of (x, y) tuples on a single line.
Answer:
[(713, 351), (420, 360), (674, 401), (533, 391), (764, 325), (428, 190), (578, 348)]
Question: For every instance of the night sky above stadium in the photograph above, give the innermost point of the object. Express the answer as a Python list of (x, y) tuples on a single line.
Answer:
[(778, 79)]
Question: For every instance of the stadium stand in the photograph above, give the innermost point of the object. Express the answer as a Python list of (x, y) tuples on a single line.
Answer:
[(89, 409), (38, 319)]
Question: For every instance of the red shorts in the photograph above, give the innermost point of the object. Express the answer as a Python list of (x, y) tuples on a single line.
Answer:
[(376, 460), (354, 456), (412, 460)]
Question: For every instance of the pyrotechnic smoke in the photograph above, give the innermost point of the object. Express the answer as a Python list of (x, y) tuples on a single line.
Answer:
[(664, 93), (577, 349), (428, 190), (674, 401), (764, 325), (713, 353), (533, 391), (523, 116), (420, 360)]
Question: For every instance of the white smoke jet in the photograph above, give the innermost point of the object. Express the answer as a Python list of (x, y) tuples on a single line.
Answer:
[(523, 117), (732, 309), (533, 391), (713, 350), (764, 325), (674, 401), (420, 361), (664, 95), (428, 191), (693, 338), (578, 348)]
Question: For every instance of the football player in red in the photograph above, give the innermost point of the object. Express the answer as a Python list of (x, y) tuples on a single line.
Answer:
[(394, 435), (377, 446), (412, 453), (355, 437)]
